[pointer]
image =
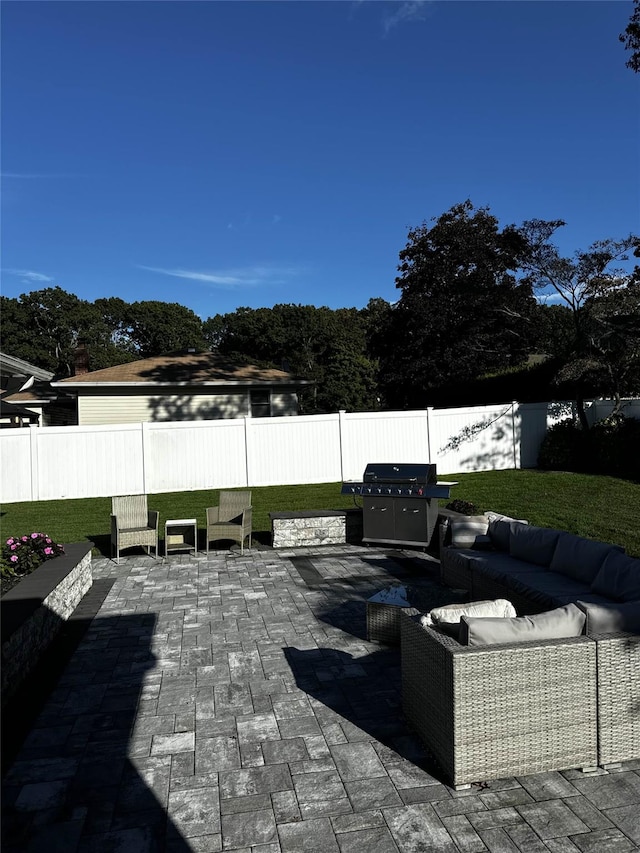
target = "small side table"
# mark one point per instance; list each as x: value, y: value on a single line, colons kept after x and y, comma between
x: 180, y: 534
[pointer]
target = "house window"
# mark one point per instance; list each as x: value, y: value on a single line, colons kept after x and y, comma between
x: 260, y: 404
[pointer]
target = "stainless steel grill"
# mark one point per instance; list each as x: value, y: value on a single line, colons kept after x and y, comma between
x: 399, y: 502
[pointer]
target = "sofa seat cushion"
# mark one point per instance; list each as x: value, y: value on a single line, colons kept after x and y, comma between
x: 587, y: 598
x: 544, y: 587
x: 533, y: 544
x: 459, y: 559
x: 580, y: 558
x: 618, y: 578
x: 556, y: 624
x: 500, y: 567
x: 611, y: 618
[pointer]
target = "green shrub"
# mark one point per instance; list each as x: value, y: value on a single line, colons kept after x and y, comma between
x: 563, y: 448
x: 611, y: 446
x: 465, y: 507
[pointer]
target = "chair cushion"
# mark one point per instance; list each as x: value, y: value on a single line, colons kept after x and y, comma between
x: 533, y: 544
x: 618, y: 578
x: 580, y: 558
x: 555, y: 624
x: 611, y: 618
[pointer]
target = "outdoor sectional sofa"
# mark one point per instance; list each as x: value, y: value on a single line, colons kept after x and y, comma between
x: 516, y: 707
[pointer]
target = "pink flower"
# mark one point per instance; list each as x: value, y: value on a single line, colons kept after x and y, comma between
x: 25, y: 538
x: 14, y: 559
x: 48, y: 550
x: 48, y: 541
x: 13, y: 547
x: 10, y: 541
x: 35, y: 535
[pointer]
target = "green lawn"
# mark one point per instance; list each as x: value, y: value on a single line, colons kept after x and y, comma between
x: 604, y: 508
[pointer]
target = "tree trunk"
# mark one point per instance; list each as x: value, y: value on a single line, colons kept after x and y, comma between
x: 582, y: 415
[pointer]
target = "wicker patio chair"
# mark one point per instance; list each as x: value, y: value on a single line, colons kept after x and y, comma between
x: 232, y: 519
x: 490, y: 712
x: 132, y: 524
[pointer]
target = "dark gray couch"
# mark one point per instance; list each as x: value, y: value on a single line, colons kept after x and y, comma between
x: 536, y: 568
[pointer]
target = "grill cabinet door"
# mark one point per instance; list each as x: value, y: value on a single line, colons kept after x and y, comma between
x: 377, y: 518
x: 410, y: 520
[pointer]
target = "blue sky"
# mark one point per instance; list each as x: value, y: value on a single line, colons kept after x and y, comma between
x: 226, y: 154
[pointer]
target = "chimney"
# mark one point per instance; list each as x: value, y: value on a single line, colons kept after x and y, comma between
x: 80, y: 359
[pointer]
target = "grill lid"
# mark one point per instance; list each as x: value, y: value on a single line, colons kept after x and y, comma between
x: 405, y: 473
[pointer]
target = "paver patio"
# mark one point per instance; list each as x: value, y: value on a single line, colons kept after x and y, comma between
x: 233, y: 703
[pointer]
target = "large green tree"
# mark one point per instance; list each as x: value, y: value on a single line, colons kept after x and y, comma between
x: 461, y: 311
x: 324, y: 345
x: 631, y: 38
x: 45, y: 326
x: 602, y: 343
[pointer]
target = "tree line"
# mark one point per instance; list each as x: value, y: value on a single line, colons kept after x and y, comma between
x: 470, y: 305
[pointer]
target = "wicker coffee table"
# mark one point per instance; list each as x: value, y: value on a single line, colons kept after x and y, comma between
x: 383, y: 608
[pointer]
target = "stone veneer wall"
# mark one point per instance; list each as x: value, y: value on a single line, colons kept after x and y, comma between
x: 33, y: 611
x: 319, y: 527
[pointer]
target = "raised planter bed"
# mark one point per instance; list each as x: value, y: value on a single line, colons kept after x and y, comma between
x: 33, y: 611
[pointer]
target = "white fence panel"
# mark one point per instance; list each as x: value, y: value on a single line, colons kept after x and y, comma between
x: 383, y: 437
x: 193, y: 455
x: 599, y: 409
x: 89, y: 461
x: 474, y: 439
x: 284, y: 451
x: 15, y: 459
x: 95, y: 461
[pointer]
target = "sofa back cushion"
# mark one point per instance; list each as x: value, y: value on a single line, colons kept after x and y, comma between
x: 499, y: 529
x: 470, y: 532
x: 580, y: 558
x: 567, y: 621
x: 618, y: 578
x: 611, y: 618
x: 533, y: 544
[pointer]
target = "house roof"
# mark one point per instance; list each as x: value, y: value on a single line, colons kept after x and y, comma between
x: 10, y: 410
x: 191, y: 368
x: 39, y: 393
x: 10, y: 365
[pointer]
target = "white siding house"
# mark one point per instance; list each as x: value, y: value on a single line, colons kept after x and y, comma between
x: 182, y: 387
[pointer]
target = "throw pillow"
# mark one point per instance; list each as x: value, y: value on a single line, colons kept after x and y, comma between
x: 619, y: 577
x: 611, y: 618
x: 533, y: 544
x: 567, y: 621
x: 448, y: 617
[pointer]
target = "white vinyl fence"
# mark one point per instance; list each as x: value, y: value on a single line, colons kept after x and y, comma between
x: 148, y: 458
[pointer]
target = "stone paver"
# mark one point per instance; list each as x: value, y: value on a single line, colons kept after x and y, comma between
x: 234, y: 704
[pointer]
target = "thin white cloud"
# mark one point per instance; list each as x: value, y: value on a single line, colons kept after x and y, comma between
x: 410, y: 10
x: 232, y: 278
x: 36, y: 175
x: 29, y: 276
